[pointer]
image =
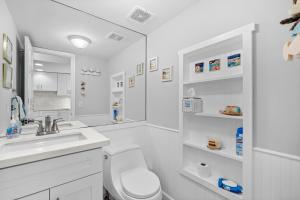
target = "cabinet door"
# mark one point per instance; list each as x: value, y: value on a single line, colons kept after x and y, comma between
x: 89, y: 188
x: 64, y: 85
x: 37, y: 196
x: 43, y: 81
x: 50, y: 82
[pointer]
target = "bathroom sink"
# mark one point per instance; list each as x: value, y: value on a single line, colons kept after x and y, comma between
x: 39, y: 142
x: 30, y: 148
x: 62, y: 125
x: 29, y: 128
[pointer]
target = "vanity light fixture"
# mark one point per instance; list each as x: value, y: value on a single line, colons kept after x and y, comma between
x: 38, y: 64
x: 79, y: 41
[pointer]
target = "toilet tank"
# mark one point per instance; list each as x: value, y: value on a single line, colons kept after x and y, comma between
x: 123, y: 157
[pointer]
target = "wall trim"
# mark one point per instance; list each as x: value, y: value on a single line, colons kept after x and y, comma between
x: 162, y: 127
x: 276, y: 153
x: 166, y: 196
x: 114, y: 127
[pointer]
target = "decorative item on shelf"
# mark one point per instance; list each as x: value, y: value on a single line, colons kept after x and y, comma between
x: 140, y: 69
x: 203, y: 170
x: 82, y: 88
x: 115, y: 104
x: 215, y: 65
x: 91, y: 71
x: 239, y: 141
x: 232, y: 110
x: 199, y: 67
x: 192, y: 104
x: 119, y: 84
x: 84, y: 69
x: 214, y: 143
x: 234, y: 60
x: 292, y: 47
x: 153, y: 64
x: 230, y: 185
x: 7, y: 76
x: 7, y: 49
x: 131, y: 81
x: 167, y: 74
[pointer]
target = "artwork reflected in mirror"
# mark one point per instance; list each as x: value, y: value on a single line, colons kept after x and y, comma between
x: 7, y: 73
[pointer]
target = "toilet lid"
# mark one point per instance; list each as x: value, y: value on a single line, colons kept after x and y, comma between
x: 140, y: 183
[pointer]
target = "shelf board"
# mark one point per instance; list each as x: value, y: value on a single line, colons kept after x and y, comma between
x: 219, y: 78
x: 210, y: 182
x: 117, y: 91
x: 218, y: 115
x: 221, y: 152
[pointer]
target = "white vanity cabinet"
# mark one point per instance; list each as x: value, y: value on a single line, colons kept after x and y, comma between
x: 88, y: 188
x: 44, y: 81
x: 63, y: 84
x: 76, y: 176
x: 44, y: 195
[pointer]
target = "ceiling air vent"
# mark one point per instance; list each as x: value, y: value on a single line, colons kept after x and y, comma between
x: 115, y: 36
x: 139, y: 14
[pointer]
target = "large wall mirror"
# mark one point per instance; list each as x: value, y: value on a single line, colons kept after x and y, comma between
x: 78, y: 66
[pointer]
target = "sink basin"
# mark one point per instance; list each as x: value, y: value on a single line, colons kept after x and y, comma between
x: 41, y: 141
x: 28, y: 129
x: 63, y: 125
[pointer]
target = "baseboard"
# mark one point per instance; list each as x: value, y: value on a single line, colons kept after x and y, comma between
x: 166, y: 196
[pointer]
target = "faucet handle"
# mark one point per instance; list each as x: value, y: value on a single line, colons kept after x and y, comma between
x: 54, y: 127
x: 40, y: 129
x: 58, y: 120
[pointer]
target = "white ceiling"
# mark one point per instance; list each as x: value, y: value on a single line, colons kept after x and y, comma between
x: 48, y: 25
x: 118, y: 10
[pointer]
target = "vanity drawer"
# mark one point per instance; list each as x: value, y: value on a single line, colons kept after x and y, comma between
x: 26, y: 179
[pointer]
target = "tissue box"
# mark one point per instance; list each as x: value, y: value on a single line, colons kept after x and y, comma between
x: 192, y: 104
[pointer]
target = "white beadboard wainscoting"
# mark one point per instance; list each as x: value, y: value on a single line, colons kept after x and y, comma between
x: 275, y: 175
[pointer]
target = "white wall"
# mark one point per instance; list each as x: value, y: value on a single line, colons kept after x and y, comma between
x: 126, y: 60
x: 276, y: 176
x: 96, y: 100
x: 276, y: 91
x: 7, y: 26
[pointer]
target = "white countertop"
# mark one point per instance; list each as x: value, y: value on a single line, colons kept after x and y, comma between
x: 92, y: 139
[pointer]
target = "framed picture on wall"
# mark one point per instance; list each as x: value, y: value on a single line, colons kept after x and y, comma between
x: 7, y: 49
x: 166, y: 74
x: 215, y: 65
x: 153, y: 64
x: 199, y: 67
x: 131, y: 81
x: 7, y: 75
x: 140, y: 69
x: 234, y: 60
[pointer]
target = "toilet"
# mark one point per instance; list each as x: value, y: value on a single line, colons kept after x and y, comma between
x: 126, y: 176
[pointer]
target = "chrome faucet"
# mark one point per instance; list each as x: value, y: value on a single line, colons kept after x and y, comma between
x: 48, y: 128
x: 47, y: 124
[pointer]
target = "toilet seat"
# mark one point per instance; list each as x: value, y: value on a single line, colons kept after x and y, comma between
x: 140, y: 183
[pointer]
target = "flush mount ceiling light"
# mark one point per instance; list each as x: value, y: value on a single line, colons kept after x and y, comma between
x: 38, y: 64
x: 79, y: 41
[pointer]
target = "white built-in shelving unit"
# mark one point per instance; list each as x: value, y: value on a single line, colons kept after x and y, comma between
x: 117, y: 86
x: 218, y: 89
